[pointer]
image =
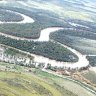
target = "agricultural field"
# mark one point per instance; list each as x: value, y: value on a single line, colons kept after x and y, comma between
x: 18, y: 80
x: 91, y: 76
x: 23, y: 83
x: 15, y: 84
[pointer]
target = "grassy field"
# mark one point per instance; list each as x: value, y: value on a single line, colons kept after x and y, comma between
x: 91, y: 76
x: 15, y: 81
x: 15, y: 84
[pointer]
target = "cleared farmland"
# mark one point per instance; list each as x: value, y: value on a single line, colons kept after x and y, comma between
x: 17, y: 82
x: 13, y: 84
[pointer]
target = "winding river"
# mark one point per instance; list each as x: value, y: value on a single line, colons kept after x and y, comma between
x: 44, y: 37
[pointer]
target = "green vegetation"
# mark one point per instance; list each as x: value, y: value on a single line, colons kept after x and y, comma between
x: 77, y: 39
x: 15, y: 84
x: 7, y: 16
x: 21, y: 83
x: 11, y: 51
x: 18, y: 80
x: 21, y: 30
x: 63, y: 9
x: 76, y: 33
x: 92, y: 60
x: 47, y: 49
x: 91, y: 76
